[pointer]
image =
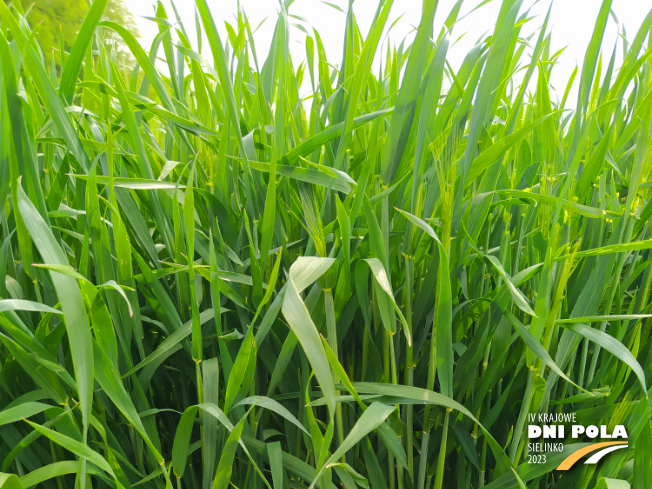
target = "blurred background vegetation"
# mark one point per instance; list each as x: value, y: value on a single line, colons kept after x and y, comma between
x: 56, y: 22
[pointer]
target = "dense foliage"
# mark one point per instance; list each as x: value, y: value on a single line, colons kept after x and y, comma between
x: 211, y: 279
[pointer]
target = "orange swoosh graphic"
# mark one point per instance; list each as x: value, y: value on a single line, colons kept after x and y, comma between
x: 575, y: 456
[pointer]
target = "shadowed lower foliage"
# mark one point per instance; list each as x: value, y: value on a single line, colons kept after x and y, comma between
x: 221, y: 270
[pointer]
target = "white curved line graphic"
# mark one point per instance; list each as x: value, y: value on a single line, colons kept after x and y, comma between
x: 595, y: 458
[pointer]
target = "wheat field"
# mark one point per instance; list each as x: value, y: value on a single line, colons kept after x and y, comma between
x: 221, y: 270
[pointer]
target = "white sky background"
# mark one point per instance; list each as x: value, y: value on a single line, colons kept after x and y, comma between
x: 571, y: 23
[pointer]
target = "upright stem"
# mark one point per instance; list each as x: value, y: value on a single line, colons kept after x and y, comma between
x: 422, y: 459
x: 439, y: 476
x: 609, y: 303
x: 365, y: 352
x: 331, y: 331
x: 447, y: 219
x: 525, y: 408
x: 392, y: 475
x: 408, y: 376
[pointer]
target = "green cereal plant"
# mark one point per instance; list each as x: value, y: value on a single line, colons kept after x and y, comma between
x: 221, y: 270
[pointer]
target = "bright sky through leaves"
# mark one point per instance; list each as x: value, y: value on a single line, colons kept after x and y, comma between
x: 571, y: 23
